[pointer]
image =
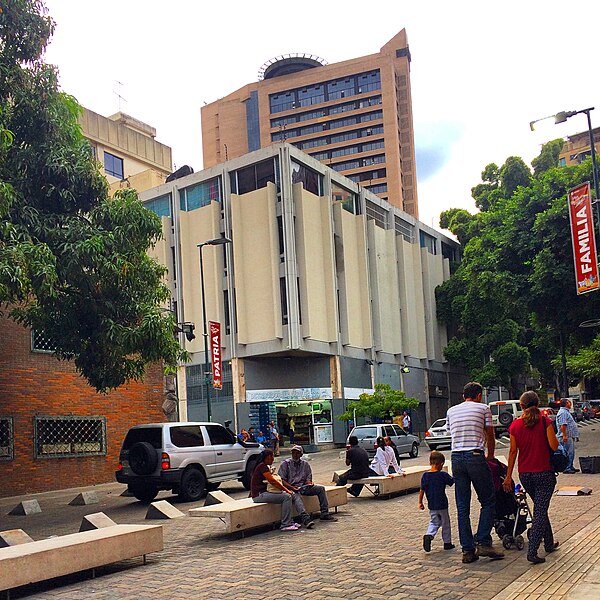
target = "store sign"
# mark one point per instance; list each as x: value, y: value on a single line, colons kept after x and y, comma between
x: 286, y: 395
x: 215, y: 353
x: 582, y: 236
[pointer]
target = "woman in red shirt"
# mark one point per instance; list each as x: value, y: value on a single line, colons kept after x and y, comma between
x: 531, y: 438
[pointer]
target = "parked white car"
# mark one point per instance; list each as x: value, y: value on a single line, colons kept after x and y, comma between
x: 438, y: 435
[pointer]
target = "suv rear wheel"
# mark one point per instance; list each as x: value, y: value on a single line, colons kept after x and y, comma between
x: 144, y: 493
x: 193, y: 485
x: 505, y: 418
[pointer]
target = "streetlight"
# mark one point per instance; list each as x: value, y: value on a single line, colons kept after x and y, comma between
x: 561, y: 117
x: 215, y: 242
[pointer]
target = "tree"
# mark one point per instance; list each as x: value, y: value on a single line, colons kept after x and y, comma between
x: 512, y: 301
x: 73, y: 262
x: 384, y: 402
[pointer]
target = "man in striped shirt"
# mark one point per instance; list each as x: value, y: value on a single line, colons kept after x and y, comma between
x: 470, y: 425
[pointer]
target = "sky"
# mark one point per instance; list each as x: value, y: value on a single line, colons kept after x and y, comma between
x: 480, y: 70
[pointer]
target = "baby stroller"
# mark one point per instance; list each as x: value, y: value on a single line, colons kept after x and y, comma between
x: 512, y: 511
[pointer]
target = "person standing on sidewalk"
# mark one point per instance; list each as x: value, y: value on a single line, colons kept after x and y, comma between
x: 406, y: 422
x: 470, y: 425
x: 530, y: 436
x: 568, y: 432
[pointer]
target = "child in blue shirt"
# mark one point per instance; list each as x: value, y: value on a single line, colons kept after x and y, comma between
x: 433, y: 485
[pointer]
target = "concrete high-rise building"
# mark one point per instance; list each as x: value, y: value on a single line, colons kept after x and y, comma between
x: 324, y: 291
x: 355, y: 116
x: 577, y: 147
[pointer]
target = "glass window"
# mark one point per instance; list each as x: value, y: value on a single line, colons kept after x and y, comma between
x: 378, y: 189
x: 219, y: 435
x: 6, y: 438
x: 372, y: 116
x: 113, y: 165
x: 320, y: 155
x: 344, y: 137
x: 187, y: 436
x: 313, y: 114
x: 364, y: 432
x: 340, y: 88
x: 313, y: 94
x: 344, y: 151
x: 369, y: 81
x: 152, y: 435
x: 348, y: 199
x: 343, y: 122
x: 160, y: 206
x: 283, y: 121
x: 310, y: 180
x: 399, y: 430
x: 428, y: 241
x: 60, y: 437
x: 201, y: 194
x: 340, y: 108
x: 372, y: 145
x: 256, y: 176
x: 283, y: 295
x: 282, y: 101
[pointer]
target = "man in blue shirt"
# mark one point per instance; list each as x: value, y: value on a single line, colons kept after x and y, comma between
x: 567, y: 433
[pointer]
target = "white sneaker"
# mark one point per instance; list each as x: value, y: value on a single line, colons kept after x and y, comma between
x: 293, y: 527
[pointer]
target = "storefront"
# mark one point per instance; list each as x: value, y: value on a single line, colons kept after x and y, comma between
x: 305, y: 411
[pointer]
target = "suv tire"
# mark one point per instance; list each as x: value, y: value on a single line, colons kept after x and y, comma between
x: 193, y: 485
x: 246, y: 479
x: 211, y: 487
x: 414, y: 451
x: 505, y: 418
x: 143, y: 458
x: 144, y: 493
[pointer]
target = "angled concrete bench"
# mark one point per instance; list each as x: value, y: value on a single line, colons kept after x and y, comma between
x: 384, y: 487
x: 240, y: 515
x: 37, y: 561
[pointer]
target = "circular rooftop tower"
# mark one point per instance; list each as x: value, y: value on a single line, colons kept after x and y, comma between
x: 289, y: 63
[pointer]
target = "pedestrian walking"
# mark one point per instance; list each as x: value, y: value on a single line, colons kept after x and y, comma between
x: 471, y: 429
x: 568, y: 433
x: 406, y: 422
x: 274, y: 437
x: 433, y: 486
x: 531, y: 437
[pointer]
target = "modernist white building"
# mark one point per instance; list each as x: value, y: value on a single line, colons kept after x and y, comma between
x: 325, y: 290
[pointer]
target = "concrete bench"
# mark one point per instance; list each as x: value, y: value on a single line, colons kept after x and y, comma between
x: 37, y: 561
x: 383, y: 486
x: 240, y: 515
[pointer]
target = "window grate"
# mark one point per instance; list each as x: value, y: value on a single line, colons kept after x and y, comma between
x: 7, y: 440
x: 377, y: 214
x: 62, y: 437
x: 40, y: 342
x: 406, y: 230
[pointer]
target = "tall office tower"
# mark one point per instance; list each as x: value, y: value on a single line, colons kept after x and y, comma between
x: 355, y: 116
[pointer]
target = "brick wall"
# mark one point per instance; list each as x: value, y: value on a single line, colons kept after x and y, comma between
x: 33, y: 383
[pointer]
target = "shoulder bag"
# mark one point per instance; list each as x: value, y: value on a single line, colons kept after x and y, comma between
x: 558, y: 458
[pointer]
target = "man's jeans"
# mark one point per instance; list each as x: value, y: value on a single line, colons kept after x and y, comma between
x: 317, y: 490
x: 471, y: 468
x: 569, y: 448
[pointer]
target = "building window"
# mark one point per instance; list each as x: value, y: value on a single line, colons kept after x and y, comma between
x: 282, y: 101
x: 226, y: 312
x: 283, y: 294
x: 341, y: 88
x: 201, y: 194
x: 428, y: 242
x: 349, y: 200
x: 62, y: 437
x: 377, y: 214
x: 160, y: 206
x: 406, y: 230
x: 311, y: 180
x: 40, y: 342
x: 378, y: 189
x: 314, y: 94
x: 562, y: 161
x: 113, y: 165
x: 255, y: 177
x: 369, y: 81
x: 7, y: 439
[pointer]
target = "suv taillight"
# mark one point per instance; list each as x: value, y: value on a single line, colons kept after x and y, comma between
x: 348, y: 446
x: 165, y: 462
x: 120, y: 467
x: 427, y: 433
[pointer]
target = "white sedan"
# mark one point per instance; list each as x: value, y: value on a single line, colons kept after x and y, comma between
x: 438, y: 435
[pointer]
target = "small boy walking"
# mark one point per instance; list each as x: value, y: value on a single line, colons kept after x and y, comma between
x: 433, y: 485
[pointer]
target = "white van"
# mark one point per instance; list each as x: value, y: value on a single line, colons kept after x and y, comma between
x: 505, y: 412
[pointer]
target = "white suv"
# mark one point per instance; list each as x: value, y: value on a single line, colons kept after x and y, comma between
x: 505, y: 412
x: 187, y: 458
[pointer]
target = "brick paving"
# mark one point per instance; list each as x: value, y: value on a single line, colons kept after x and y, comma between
x: 374, y: 548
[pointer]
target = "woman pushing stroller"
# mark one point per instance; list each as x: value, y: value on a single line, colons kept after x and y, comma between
x: 531, y: 437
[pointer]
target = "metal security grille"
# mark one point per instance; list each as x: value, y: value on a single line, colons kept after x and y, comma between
x: 6, y: 438
x: 60, y: 437
x: 406, y: 230
x: 41, y: 342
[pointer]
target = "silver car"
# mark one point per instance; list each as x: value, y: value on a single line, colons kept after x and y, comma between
x: 367, y: 437
x: 438, y: 435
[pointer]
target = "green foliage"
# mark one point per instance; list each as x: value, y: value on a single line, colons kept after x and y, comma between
x: 384, y: 402
x: 513, y: 294
x: 548, y: 157
x: 586, y: 362
x: 73, y: 262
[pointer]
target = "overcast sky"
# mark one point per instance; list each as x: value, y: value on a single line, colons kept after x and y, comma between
x: 480, y: 71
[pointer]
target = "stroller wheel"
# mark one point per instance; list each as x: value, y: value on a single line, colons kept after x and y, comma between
x: 519, y: 542
x: 507, y: 541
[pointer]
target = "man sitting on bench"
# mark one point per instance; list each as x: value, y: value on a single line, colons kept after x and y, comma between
x: 358, y: 461
x: 297, y: 475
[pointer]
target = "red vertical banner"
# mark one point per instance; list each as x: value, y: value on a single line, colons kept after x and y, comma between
x: 584, y: 241
x: 215, y: 353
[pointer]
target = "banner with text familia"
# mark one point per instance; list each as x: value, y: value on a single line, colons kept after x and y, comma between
x: 215, y: 353
x: 584, y: 241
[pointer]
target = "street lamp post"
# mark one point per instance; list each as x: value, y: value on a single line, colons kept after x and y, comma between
x: 215, y: 242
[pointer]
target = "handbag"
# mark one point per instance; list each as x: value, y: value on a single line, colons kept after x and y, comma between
x: 558, y: 458
x: 271, y: 487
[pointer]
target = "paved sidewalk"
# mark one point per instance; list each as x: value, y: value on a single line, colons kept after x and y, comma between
x: 374, y: 549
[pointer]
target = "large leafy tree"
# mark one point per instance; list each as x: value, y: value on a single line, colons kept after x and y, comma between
x: 512, y: 301
x: 73, y: 261
x: 384, y: 402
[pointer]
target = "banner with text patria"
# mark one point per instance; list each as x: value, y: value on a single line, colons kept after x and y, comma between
x: 215, y: 353
x: 584, y: 242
